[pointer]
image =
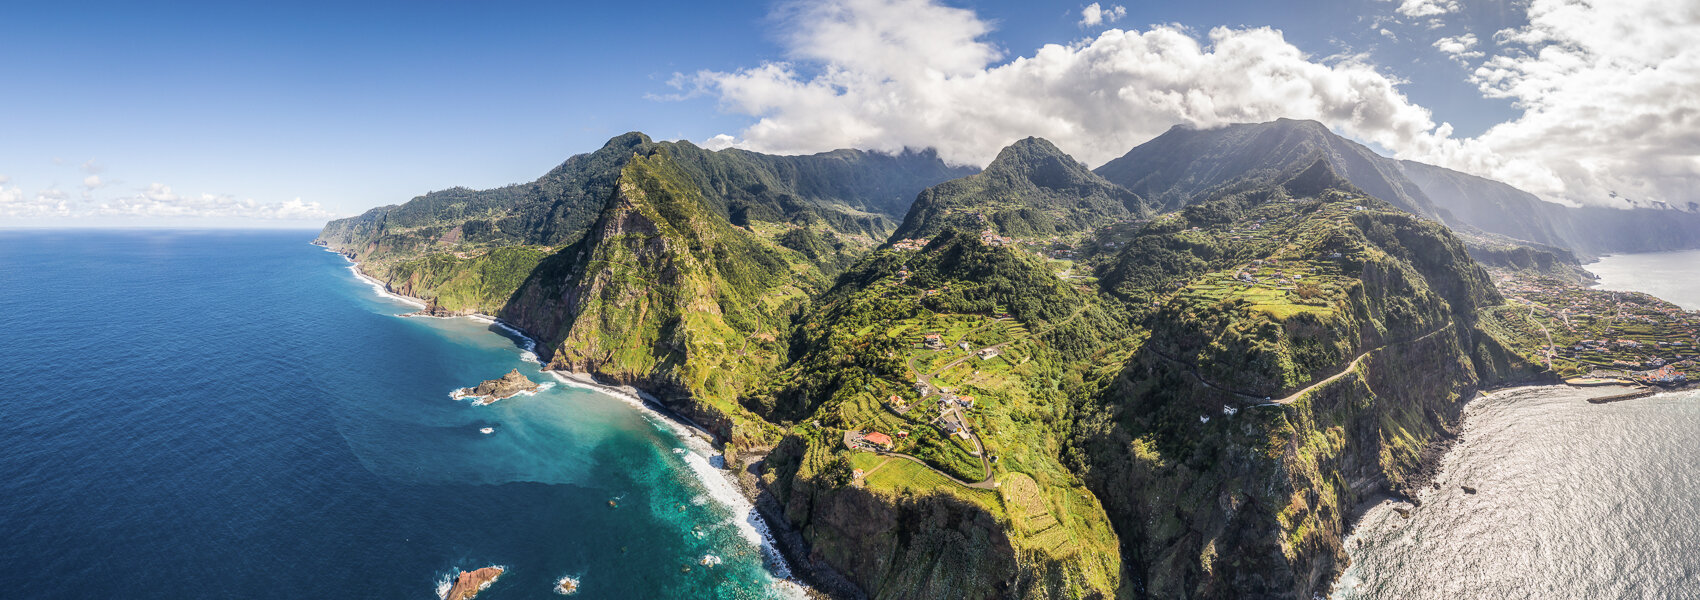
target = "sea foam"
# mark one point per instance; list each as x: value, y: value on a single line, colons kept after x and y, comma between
x: 718, y: 483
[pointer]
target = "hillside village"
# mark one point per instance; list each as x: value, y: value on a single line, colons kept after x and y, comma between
x: 1598, y: 336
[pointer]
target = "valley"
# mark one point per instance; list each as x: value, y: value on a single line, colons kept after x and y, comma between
x: 1032, y: 381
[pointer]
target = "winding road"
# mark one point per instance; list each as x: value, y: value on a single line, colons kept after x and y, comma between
x: 1289, y: 399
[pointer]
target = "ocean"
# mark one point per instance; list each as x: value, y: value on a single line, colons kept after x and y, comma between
x: 1574, y: 500
x: 236, y: 415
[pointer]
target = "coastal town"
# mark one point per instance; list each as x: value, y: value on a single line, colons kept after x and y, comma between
x: 1602, y: 337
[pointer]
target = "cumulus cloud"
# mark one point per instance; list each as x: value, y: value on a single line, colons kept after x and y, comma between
x: 1611, y: 99
x: 45, y: 203
x: 1427, y: 8
x: 1611, y: 92
x: 1094, y: 15
x: 155, y: 201
x: 1460, y: 48
x: 92, y: 182
x: 887, y: 88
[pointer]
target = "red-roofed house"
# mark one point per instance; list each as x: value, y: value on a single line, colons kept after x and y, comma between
x: 878, y: 438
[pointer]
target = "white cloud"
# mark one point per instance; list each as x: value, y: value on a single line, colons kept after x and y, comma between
x: 157, y: 200
x: 1094, y: 15
x: 1095, y: 98
x: 46, y: 203
x: 1427, y: 8
x: 1460, y: 48
x: 92, y: 182
x: 1611, y: 92
x: 720, y: 142
x: 5, y: 179
x: 1611, y: 99
x: 91, y: 168
x: 1389, y: 34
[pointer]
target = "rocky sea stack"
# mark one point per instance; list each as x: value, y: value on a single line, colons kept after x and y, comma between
x: 469, y: 583
x: 502, y: 388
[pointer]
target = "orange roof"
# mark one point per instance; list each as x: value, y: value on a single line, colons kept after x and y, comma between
x: 878, y: 438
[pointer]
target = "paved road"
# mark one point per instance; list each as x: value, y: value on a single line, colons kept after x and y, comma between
x: 1265, y: 401
x: 986, y: 484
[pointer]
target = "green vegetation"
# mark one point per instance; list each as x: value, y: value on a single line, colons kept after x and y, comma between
x: 478, y: 282
x: 1357, y: 322
x: 1183, y: 406
x: 1597, y: 333
x: 1032, y: 189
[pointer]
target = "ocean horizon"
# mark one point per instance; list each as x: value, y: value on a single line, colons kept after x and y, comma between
x: 255, y: 421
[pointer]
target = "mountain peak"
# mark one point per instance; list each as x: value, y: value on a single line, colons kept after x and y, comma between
x: 1315, y: 179
x: 1029, y: 152
x: 630, y: 139
x: 1031, y: 189
x: 1183, y: 165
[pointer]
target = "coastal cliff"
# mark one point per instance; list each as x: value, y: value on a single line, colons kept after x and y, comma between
x: 1193, y: 409
x: 1232, y: 450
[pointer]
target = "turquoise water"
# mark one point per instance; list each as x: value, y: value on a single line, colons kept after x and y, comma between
x: 236, y: 415
x: 1574, y: 500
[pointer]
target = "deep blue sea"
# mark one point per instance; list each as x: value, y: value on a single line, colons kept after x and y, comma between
x: 236, y: 415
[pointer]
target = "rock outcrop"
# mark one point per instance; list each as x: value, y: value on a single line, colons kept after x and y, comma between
x: 502, y: 388
x: 469, y: 583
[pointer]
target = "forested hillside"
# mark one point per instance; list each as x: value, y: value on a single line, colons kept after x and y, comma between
x: 1032, y: 189
x: 1187, y: 407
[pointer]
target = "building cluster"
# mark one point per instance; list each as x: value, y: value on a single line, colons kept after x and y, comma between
x: 991, y: 238
x: 1633, y: 335
x: 910, y: 244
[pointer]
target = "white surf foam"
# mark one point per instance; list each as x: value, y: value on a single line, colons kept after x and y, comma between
x: 562, y: 582
x: 379, y: 287
x: 444, y: 585
x: 717, y: 482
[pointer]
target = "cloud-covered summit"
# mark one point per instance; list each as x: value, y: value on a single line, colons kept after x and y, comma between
x: 1603, y: 112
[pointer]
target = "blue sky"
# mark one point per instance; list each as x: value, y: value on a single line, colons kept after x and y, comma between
x: 245, y: 114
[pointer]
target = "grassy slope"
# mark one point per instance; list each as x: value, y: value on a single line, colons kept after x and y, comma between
x: 858, y: 344
x: 1032, y: 189
x: 1210, y: 504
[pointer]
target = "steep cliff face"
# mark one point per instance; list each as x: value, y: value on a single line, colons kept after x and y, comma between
x: 1239, y: 376
x: 991, y: 511
x: 1496, y: 207
x: 931, y: 545
x: 666, y: 295
x: 1186, y: 164
x: 1231, y: 450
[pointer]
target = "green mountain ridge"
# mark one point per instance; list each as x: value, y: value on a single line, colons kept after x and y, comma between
x: 1031, y: 189
x: 1188, y: 164
x: 1054, y: 428
x: 1185, y: 163
x: 1499, y: 208
x: 1287, y: 378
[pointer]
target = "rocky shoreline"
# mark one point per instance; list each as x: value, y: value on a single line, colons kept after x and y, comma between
x: 468, y: 584
x: 501, y: 388
x: 822, y: 582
